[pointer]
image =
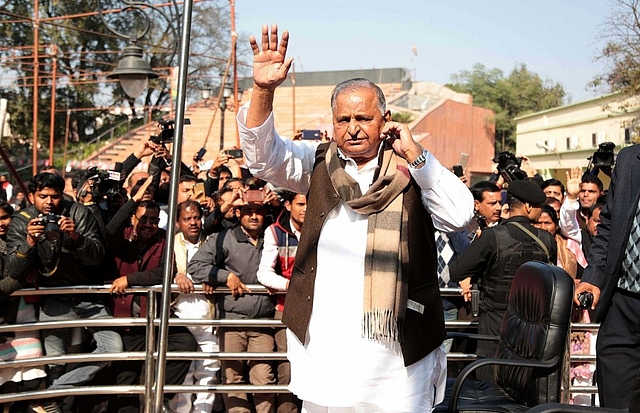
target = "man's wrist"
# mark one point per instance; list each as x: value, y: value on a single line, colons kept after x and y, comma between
x: 417, y: 160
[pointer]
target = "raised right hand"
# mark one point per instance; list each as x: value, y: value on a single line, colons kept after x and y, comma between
x: 270, y: 65
x: 574, y: 178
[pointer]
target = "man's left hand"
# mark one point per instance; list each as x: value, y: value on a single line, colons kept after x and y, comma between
x: 68, y: 227
x: 119, y: 285
x: 399, y: 136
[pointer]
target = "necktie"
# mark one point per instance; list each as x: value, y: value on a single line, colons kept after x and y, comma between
x: 445, y: 254
x: 630, y: 265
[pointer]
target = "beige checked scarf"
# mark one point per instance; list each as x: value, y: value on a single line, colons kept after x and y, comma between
x: 385, y: 289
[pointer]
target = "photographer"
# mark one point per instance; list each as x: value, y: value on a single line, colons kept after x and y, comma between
x: 54, y: 242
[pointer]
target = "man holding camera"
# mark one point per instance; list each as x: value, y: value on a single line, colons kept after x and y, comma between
x: 53, y: 243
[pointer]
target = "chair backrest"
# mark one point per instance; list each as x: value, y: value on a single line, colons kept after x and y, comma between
x: 535, y: 327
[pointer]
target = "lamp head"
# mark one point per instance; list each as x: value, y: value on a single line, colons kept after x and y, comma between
x: 133, y: 71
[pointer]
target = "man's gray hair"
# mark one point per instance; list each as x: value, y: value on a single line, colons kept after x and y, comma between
x: 356, y: 84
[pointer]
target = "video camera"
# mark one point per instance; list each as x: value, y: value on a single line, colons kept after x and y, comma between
x: 602, y: 159
x: 167, y: 129
x: 105, y: 184
x: 509, y: 167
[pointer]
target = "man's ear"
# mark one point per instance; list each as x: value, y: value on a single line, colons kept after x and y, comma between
x: 31, y: 198
x: 287, y: 205
x: 387, y: 116
x: 476, y: 204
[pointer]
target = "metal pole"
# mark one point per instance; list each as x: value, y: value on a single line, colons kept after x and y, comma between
x: 293, y: 98
x: 66, y: 144
x: 163, y: 340
x: 52, y: 120
x: 151, y: 345
x: 36, y: 80
x: 222, y: 110
x: 234, y: 41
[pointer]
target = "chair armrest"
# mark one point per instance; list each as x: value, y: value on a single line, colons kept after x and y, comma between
x: 464, y: 374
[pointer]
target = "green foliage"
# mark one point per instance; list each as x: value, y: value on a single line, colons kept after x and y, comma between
x: 402, y: 117
x: 85, y: 51
x: 621, y: 31
x: 519, y: 93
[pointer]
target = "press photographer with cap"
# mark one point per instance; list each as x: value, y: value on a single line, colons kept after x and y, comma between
x: 492, y: 260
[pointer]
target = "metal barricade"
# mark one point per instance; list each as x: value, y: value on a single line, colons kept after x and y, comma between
x: 152, y: 322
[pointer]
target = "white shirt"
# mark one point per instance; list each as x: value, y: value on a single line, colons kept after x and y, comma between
x: 336, y: 366
x: 266, y: 271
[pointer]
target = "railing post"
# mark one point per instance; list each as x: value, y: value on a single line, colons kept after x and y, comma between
x: 150, y: 364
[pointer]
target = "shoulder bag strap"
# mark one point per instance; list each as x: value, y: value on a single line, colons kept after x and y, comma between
x: 535, y: 238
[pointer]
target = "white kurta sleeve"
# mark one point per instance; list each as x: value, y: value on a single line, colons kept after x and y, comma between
x: 274, y: 159
x: 444, y: 195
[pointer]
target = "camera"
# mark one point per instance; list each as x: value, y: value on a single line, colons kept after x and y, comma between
x: 585, y: 299
x: 198, y: 157
x: 603, y: 157
x: 167, y: 129
x: 235, y: 153
x: 253, y: 195
x: 105, y: 184
x: 311, y: 134
x: 509, y: 167
x: 51, y: 226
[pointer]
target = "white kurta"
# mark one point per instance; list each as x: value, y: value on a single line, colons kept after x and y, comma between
x: 336, y: 366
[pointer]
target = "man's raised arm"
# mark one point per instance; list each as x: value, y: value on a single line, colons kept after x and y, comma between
x: 270, y: 68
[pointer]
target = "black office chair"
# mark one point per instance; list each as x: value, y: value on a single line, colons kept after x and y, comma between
x: 531, y: 347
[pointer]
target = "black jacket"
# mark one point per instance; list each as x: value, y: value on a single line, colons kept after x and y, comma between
x: 59, y: 263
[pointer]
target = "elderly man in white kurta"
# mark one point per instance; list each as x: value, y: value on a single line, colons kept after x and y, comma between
x: 363, y: 311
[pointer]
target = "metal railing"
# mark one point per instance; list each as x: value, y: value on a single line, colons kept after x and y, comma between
x: 151, y: 355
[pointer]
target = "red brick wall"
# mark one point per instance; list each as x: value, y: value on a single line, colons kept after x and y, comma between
x: 454, y: 128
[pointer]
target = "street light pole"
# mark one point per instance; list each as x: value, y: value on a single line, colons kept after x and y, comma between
x: 223, y: 108
x: 36, y: 80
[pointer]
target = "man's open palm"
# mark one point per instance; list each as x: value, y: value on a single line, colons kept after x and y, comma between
x: 270, y: 65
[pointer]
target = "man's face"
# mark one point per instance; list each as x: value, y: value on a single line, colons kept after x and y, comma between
x: 5, y: 219
x: 589, y: 194
x: 298, y: 209
x: 235, y: 185
x: 490, y: 206
x: 226, y: 197
x: 47, y: 200
x: 3, y: 179
x: 592, y: 223
x: 222, y: 178
x: 190, y: 223
x: 556, y: 206
x: 251, y: 217
x: 545, y: 222
x: 185, y: 190
x: 357, y: 123
x: 554, y: 191
x: 146, y: 223
x: 135, y: 178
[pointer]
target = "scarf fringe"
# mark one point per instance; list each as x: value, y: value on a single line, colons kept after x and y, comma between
x: 381, y: 325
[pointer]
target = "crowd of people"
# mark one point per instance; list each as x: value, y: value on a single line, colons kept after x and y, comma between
x: 387, y: 225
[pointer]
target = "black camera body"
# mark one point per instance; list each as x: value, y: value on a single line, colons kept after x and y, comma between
x: 105, y: 183
x: 604, y: 156
x: 509, y: 167
x: 51, y: 226
x: 585, y: 299
x: 167, y: 129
